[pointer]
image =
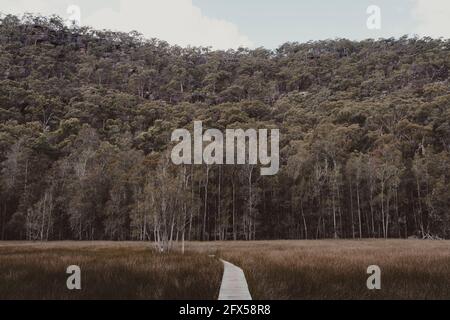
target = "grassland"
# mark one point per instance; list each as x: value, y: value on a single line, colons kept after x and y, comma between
x: 328, y: 269
x: 337, y: 269
x: 109, y: 271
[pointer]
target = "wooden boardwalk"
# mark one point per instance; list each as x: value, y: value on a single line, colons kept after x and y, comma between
x: 234, y: 286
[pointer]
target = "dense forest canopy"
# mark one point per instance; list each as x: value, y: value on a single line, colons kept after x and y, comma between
x: 86, y: 118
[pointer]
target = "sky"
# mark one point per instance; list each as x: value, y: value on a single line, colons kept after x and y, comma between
x: 224, y: 24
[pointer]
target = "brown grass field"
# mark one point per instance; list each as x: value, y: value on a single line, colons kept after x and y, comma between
x: 337, y: 269
x: 108, y: 271
x: 322, y: 269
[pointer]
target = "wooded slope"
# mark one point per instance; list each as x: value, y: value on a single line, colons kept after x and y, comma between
x: 86, y: 117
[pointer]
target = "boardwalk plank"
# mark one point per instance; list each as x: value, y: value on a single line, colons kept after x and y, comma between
x: 234, y: 285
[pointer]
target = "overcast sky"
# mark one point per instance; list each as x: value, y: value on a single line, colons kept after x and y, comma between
x: 225, y: 24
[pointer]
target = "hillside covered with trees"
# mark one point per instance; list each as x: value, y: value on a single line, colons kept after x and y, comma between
x: 86, y: 118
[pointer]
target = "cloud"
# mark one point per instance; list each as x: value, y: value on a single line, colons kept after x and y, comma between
x: 20, y: 7
x: 433, y: 18
x: 175, y: 21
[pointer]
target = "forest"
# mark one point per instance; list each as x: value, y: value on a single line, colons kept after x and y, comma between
x: 86, y: 118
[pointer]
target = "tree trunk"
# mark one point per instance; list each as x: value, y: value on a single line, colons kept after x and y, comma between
x: 205, y: 204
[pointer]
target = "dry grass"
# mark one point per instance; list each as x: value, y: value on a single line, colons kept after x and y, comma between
x: 109, y: 271
x: 337, y: 269
x: 274, y: 269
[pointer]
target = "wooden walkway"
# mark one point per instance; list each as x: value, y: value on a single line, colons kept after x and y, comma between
x: 234, y: 286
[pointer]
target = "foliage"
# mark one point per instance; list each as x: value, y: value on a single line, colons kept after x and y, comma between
x: 86, y: 118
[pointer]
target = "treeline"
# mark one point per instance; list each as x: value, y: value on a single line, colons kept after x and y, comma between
x: 86, y: 118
